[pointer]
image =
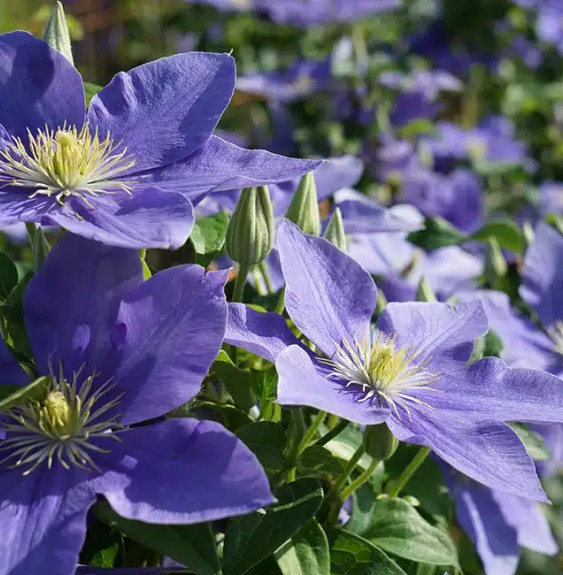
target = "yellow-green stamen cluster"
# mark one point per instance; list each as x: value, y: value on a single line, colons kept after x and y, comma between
x: 66, y: 163
x: 381, y: 369
x: 61, y: 427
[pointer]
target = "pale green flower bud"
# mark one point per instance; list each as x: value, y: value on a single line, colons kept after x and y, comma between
x: 250, y: 235
x: 379, y: 442
x: 56, y: 32
x: 304, y: 207
x: 334, y: 232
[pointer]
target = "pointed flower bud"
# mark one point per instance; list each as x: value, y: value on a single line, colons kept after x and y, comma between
x: 304, y: 207
x: 250, y: 235
x: 379, y: 442
x: 334, y: 232
x: 56, y: 32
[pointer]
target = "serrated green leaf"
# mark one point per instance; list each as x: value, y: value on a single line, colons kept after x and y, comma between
x: 8, y: 276
x: 252, y: 538
x: 191, y: 545
x: 306, y: 553
x: 317, y: 459
x: 351, y: 554
x: 208, y: 237
x: 398, y: 528
x: 505, y: 232
x: 267, y: 440
x: 237, y: 381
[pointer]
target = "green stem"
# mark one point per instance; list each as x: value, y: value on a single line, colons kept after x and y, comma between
x: 263, y: 267
x: 333, y: 432
x: 339, y: 483
x: 240, y: 281
x: 359, y: 481
x: 298, y: 433
x: 347, y: 491
x: 31, y: 228
x: 409, y: 471
x: 281, y: 302
x: 317, y: 421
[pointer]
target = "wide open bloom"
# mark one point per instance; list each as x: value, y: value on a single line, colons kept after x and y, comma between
x: 126, y: 171
x: 410, y: 371
x: 524, y: 342
x: 498, y: 523
x: 117, y: 352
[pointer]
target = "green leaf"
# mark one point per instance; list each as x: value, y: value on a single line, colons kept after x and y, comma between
x: 36, y: 390
x: 398, y: 528
x: 267, y: 440
x: 191, y: 545
x: 237, y: 381
x: 505, y: 232
x: 364, y: 500
x: 533, y: 442
x: 252, y: 538
x: 8, y: 276
x: 12, y: 314
x: 317, y: 459
x: 351, y: 554
x: 437, y: 233
x: 306, y: 553
x: 106, y: 557
x: 90, y: 90
x: 208, y: 236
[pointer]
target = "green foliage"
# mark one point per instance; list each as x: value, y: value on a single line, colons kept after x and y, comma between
x: 208, y: 237
x: 354, y: 555
x: 254, y: 537
x: 267, y: 440
x: 306, y: 553
x: 191, y: 545
x: 399, y: 529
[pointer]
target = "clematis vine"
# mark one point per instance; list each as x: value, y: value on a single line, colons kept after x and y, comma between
x: 114, y: 351
x: 409, y: 371
x: 127, y: 170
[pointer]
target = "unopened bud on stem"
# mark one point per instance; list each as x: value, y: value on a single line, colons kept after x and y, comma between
x: 56, y: 32
x: 250, y: 235
x: 304, y: 208
x: 379, y: 442
x: 334, y: 232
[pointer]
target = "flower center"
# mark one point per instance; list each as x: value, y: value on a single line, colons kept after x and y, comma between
x: 67, y: 426
x: 382, y: 370
x: 65, y: 163
x: 555, y: 332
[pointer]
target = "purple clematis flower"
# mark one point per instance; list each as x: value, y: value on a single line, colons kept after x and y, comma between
x: 117, y: 351
x: 410, y: 371
x: 498, y: 523
x: 126, y: 171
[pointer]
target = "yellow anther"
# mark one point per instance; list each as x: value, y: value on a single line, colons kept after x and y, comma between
x: 56, y: 412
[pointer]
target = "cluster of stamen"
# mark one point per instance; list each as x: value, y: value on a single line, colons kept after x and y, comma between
x: 382, y: 370
x: 66, y: 163
x: 555, y: 332
x: 64, y: 427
